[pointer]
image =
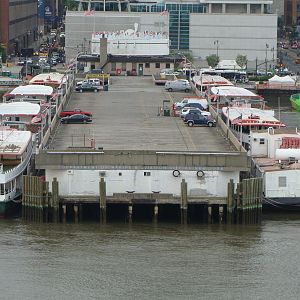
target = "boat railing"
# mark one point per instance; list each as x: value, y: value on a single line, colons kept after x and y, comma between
x: 6, y: 176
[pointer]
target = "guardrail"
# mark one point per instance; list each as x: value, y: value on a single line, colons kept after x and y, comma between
x: 229, y: 134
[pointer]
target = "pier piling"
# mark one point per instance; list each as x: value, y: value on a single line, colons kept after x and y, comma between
x: 102, y: 201
x: 55, y: 200
x: 184, y: 202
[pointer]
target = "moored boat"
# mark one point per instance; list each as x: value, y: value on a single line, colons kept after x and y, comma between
x: 16, y: 148
x: 295, y: 101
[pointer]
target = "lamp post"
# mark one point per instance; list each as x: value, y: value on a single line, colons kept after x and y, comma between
x: 267, y: 46
x: 216, y: 42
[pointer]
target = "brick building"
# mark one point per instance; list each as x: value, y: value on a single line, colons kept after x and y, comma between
x: 18, y: 24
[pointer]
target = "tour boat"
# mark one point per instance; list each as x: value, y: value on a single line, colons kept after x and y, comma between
x: 16, y: 148
x: 295, y: 101
x: 244, y: 119
x: 276, y: 156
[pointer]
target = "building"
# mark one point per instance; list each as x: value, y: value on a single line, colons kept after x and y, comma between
x: 223, y: 27
x: 291, y: 12
x: 278, y: 7
x: 18, y: 24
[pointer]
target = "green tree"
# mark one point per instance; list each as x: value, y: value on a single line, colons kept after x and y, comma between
x: 212, y: 60
x: 71, y: 4
x: 241, y: 61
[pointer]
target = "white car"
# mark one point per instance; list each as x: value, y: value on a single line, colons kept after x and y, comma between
x: 189, y: 110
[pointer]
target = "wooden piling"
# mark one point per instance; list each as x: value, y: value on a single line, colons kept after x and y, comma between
x: 184, y: 202
x: 230, y: 202
x: 102, y: 201
x: 46, y: 200
x: 209, y: 214
x: 55, y: 200
x: 221, y: 213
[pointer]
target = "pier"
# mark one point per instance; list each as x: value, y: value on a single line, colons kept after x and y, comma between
x: 133, y: 164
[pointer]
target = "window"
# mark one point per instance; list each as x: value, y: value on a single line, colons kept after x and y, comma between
x: 157, y: 65
x: 168, y: 66
x: 147, y: 65
x: 113, y: 66
x: 147, y: 173
x: 261, y: 141
x: 124, y: 66
x: 282, y: 181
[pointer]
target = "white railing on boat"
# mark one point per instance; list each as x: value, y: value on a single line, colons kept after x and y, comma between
x: 9, y: 175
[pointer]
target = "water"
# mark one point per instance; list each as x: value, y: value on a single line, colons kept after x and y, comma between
x: 143, y: 261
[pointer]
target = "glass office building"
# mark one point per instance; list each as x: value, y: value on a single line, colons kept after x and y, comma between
x: 179, y: 16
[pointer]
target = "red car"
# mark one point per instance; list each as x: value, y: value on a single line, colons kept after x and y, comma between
x: 75, y: 112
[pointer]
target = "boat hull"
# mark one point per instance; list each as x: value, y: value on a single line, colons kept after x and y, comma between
x: 289, y: 203
x: 295, y: 101
x: 9, y: 209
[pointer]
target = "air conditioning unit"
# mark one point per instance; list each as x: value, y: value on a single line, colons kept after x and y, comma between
x: 102, y: 173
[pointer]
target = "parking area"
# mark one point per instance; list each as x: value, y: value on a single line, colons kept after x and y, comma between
x: 127, y: 118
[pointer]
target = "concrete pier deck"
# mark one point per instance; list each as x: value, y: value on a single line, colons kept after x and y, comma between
x: 126, y: 118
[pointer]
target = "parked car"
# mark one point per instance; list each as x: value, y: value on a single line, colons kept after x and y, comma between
x: 178, y: 85
x: 95, y: 81
x: 78, y: 118
x: 186, y: 101
x: 88, y: 87
x: 193, y: 110
x: 197, y: 119
x: 294, y: 46
x: 75, y: 111
x: 194, y: 105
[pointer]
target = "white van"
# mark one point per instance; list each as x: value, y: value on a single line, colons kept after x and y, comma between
x: 185, y: 101
x: 95, y: 81
x: 178, y: 85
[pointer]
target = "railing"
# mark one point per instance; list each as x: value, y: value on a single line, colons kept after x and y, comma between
x: 13, y: 173
x: 277, y: 86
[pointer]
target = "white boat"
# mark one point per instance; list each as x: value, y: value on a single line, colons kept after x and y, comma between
x: 242, y: 120
x: 16, y: 148
x: 276, y: 156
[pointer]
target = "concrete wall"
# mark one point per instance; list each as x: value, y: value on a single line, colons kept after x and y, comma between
x: 80, y: 27
x: 236, y: 34
x: 86, y: 182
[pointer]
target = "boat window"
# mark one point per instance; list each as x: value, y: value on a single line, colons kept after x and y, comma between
x: 282, y: 181
x: 261, y: 141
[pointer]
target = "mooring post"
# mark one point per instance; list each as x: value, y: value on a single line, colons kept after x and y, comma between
x: 24, y: 196
x: 55, y: 200
x: 102, y: 201
x: 230, y: 201
x: 184, y: 202
x: 46, y: 200
x: 76, y: 213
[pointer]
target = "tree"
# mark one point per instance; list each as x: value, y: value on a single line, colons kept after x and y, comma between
x: 241, y: 61
x: 71, y: 4
x: 212, y: 60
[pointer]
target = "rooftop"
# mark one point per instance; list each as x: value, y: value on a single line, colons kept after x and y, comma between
x: 31, y: 89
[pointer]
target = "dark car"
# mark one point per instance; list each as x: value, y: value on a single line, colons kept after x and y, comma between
x: 87, y: 87
x: 197, y: 119
x: 194, y: 104
x: 78, y: 118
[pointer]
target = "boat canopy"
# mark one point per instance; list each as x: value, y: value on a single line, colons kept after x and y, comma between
x: 19, y: 109
x: 32, y: 89
x: 233, y: 92
x: 48, y: 79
